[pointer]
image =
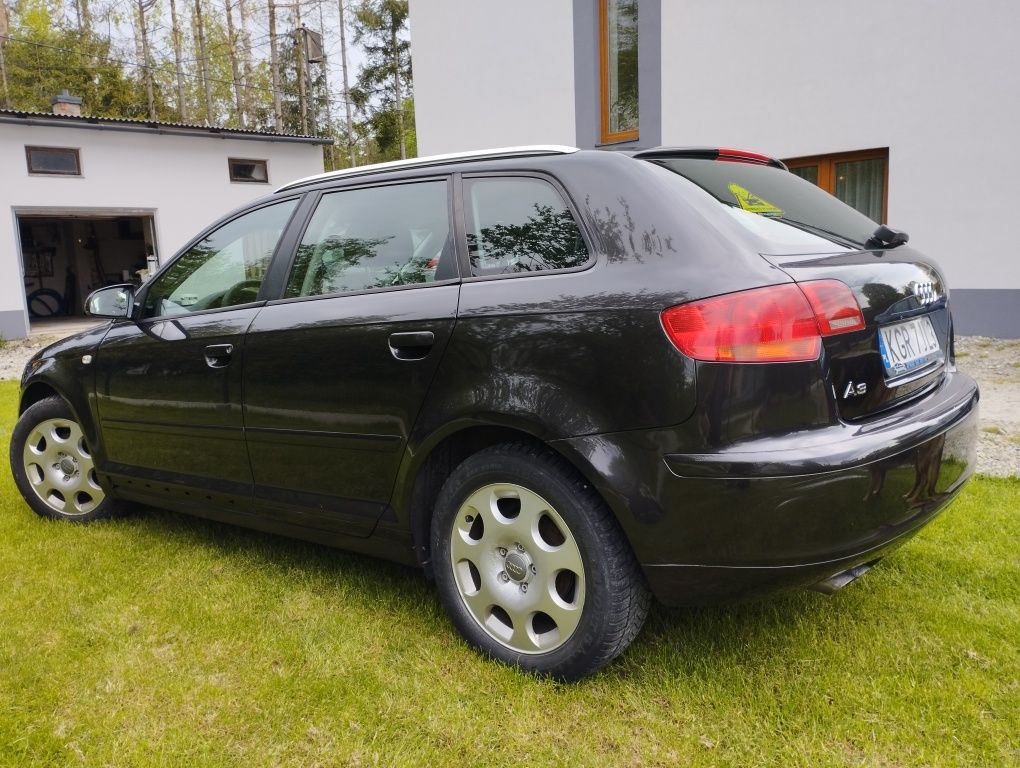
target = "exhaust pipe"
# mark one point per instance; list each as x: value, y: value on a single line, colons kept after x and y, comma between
x: 836, y: 582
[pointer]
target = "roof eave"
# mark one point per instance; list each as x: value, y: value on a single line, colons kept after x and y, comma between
x: 91, y: 122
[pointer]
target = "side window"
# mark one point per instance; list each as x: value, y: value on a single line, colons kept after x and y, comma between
x: 225, y: 268
x: 375, y: 237
x: 520, y: 225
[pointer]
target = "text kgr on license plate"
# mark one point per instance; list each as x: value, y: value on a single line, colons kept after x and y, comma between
x: 908, y: 345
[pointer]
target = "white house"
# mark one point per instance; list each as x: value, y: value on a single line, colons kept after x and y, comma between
x: 908, y: 110
x: 89, y: 201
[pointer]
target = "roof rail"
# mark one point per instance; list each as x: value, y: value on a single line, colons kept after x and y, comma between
x: 424, y: 162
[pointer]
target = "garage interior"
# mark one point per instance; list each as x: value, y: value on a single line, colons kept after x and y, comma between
x: 66, y: 257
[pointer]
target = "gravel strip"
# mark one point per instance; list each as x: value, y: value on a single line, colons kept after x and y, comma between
x: 994, y: 363
x: 15, y: 354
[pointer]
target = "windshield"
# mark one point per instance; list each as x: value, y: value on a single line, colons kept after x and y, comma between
x: 776, y: 195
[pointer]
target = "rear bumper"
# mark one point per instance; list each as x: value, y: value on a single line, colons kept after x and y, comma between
x: 680, y: 584
x: 784, y: 511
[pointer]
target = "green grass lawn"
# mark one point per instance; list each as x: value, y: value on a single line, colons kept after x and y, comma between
x: 164, y: 640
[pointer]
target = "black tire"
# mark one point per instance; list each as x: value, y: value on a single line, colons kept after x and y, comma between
x: 55, y: 474
x: 45, y: 302
x: 611, y: 597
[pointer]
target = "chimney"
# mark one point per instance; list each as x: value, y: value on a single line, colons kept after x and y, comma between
x: 66, y: 104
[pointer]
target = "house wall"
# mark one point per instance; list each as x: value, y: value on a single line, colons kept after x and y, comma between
x: 181, y: 180
x: 489, y: 73
x: 936, y: 83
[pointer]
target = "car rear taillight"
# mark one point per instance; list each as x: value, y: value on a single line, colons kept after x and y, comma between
x: 836, y: 309
x: 779, y: 323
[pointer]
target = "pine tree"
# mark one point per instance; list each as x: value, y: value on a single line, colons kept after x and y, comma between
x: 383, y: 90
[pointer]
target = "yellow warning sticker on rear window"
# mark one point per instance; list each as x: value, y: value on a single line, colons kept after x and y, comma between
x: 751, y: 202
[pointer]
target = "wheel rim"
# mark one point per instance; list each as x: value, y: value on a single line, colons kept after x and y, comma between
x: 60, y: 469
x: 517, y: 568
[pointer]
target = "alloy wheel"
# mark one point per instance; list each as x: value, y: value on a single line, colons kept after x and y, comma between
x: 517, y: 568
x: 59, y: 467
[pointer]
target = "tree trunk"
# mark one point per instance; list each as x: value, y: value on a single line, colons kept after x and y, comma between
x: 84, y: 15
x: 302, y: 62
x: 145, y: 61
x: 246, y: 65
x: 396, y: 88
x: 4, y: 23
x: 328, y: 127
x: 274, y: 64
x: 347, y: 87
x: 175, y: 34
x: 3, y: 77
x: 204, y: 62
x: 235, y: 71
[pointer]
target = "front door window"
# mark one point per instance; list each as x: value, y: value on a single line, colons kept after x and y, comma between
x: 225, y: 268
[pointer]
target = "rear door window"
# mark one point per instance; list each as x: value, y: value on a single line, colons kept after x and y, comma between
x: 375, y: 237
x: 519, y: 225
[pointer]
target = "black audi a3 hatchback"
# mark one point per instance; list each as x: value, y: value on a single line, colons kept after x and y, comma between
x: 560, y: 381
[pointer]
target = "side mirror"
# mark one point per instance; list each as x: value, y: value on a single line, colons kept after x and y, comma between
x: 114, y: 301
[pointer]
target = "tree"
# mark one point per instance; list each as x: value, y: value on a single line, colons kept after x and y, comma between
x: 235, y: 65
x: 3, y: 61
x: 175, y: 35
x: 274, y: 65
x: 208, y: 60
x: 38, y: 67
x: 203, y: 61
x: 349, y: 124
x: 383, y: 90
x: 143, y: 6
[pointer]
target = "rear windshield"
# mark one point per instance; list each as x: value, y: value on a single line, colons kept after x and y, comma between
x: 777, y: 195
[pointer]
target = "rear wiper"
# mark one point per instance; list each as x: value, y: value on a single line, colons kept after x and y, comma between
x: 886, y: 237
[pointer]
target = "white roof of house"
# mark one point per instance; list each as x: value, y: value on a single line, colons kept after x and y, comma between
x: 48, y: 119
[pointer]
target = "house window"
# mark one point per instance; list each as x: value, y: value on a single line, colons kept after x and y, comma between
x: 53, y: 161
x: 859, y: 179
x: 618, y: 62
x: 250, y: 171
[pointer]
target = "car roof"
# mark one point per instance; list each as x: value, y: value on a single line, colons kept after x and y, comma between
x: 526, y: 151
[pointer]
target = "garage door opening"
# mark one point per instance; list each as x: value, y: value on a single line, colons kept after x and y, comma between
x: 64, y: 258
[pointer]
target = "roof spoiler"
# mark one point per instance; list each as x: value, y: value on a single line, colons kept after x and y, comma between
x: 710, y: 153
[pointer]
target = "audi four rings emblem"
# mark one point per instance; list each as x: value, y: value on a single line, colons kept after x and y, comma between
x: 925, y: 292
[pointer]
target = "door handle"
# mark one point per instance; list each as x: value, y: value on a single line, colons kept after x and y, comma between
x: 411, y: 345
x: 218, y: 355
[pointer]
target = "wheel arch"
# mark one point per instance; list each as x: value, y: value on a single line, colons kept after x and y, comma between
x: 430, y: 464
x: 41, y: 388
x: 36, y: 392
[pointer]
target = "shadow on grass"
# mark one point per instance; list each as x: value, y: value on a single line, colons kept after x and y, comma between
x: 685, y: 641
x: 276, y: 554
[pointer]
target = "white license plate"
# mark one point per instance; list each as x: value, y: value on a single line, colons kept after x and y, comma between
x: 908, y: 346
